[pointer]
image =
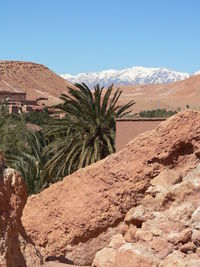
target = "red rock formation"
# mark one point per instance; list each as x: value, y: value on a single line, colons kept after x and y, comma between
x: 168, y: 233
x: 16, y: 248
x: 75, y: 218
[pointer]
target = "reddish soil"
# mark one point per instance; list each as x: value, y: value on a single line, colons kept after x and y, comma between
x: 169, y: 96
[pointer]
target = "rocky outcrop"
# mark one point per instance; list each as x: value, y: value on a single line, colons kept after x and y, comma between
x: 16, y: 248
x: 75, y: 218
x: 164, y: 230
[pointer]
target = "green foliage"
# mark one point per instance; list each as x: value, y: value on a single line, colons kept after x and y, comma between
x: 156, y: 113
x: 87, y: 132
x: 12, y: 134
x: 37, y: 117
x: 31, y: 163
x: 85, y: 135
x: 23, y: 150
x: 4, y: 110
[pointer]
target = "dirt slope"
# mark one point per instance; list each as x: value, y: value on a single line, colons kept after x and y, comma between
x: 35, y: 79
x: 169, y: 96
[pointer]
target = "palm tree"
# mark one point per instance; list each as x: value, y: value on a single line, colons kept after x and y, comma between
x: 31, y: 164
x: 87, y: 132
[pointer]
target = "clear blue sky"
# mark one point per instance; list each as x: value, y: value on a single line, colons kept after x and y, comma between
x: 71, y: 36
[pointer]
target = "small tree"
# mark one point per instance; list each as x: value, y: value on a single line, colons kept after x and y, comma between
x: 157, y: 113
x: 31, y: 163
x: 4, y: 109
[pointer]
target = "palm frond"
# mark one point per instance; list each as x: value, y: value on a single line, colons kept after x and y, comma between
x: 87, y: 132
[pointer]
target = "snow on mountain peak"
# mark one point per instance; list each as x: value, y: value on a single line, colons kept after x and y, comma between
x: 130, y: 76
x: 197, y: 73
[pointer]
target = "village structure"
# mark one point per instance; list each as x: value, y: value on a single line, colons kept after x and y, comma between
x: 18, y: 102
x: 128, y: 128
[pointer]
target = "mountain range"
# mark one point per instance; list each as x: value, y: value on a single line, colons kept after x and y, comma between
x: 129, y: 76
x: 39, y: 81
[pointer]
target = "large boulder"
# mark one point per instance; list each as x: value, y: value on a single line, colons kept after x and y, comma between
x: 75, y: 218
x: 16, y: 248
x: 169, y: 232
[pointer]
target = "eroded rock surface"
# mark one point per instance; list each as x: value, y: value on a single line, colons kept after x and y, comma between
x: 75, y: 218
x: 169, y: 232
x: 16, y: 248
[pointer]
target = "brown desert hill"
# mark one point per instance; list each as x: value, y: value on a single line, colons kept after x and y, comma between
x: 169, y: 96
x: 38, y: 81
x: 34, y: 79
x: 73, y: 219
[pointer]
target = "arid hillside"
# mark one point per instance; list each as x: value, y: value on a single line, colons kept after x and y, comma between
x: 169, y: 96
x: 38, y: 81
x: 34, y: 79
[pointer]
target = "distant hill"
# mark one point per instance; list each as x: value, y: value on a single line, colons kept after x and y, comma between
x: 129, y: 76
x: 34, y: 79
x: 38, y: 81
x: 170, y: 96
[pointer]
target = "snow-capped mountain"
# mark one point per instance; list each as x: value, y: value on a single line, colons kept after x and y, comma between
x: 197, y: 73
x: 134, y: 75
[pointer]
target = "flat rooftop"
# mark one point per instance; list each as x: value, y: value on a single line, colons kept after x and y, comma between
x: 141, y: 119
x: 12, y: 93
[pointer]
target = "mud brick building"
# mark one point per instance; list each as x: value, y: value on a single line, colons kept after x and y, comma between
x: 18, y: 102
